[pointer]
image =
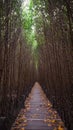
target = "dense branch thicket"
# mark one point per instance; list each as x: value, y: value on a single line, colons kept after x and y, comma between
x: 55, y: 62
x: 36, y: 44
x: 16, y: 62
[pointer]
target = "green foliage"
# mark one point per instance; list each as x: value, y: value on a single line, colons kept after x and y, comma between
x: 32, y: 21
x: 32, y: 24
x: 28, y: 23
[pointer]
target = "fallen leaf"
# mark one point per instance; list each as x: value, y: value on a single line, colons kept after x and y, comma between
x: 60, y: 128
x: 22, y: 128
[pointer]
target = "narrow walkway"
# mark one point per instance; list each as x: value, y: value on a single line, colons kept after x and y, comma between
x: 38, y: 113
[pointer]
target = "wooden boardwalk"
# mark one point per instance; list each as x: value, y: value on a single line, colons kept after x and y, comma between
x: 38, y: 113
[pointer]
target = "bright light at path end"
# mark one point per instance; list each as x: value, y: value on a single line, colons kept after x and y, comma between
x: 25, y: 4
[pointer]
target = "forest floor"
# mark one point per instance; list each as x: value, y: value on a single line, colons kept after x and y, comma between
x: 38, y: 113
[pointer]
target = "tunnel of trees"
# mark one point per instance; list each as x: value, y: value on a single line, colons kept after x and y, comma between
x: 36, y: 44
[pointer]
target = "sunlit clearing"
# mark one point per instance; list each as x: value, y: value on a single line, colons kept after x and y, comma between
x: 25, y: 4
x: 33, y: 28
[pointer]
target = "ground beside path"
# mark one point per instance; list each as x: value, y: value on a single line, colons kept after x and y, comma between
x: 38, y: 113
